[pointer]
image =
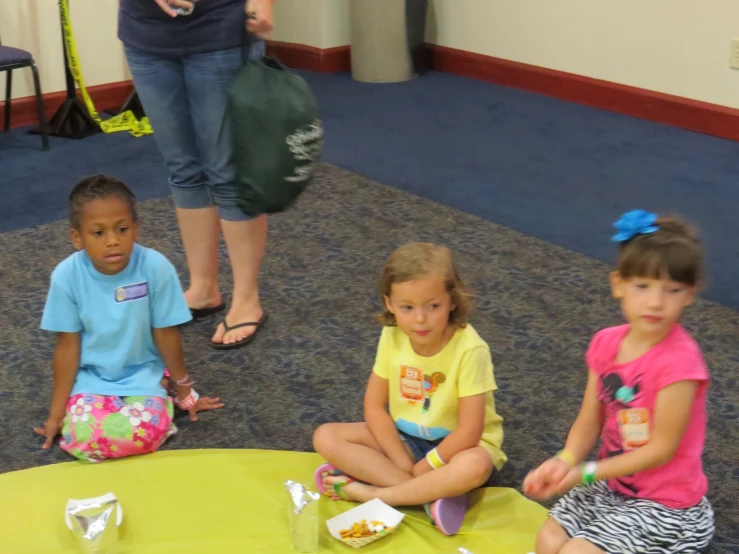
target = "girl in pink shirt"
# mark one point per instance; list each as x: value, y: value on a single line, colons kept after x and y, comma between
x: 646, y: 399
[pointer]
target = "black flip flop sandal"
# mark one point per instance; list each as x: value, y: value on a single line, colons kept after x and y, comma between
x: 197, y: 313
x: 247, y: 340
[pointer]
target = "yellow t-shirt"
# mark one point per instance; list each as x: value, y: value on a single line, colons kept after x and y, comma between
x: 424, y: 392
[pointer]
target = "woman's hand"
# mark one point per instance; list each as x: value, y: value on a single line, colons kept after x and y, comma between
x: 50, y: 429
x: 168, y: 6
x: 259, y: 17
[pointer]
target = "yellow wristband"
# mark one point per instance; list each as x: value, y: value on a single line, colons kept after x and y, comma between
x: 567, y: 457
x: 434, y: 459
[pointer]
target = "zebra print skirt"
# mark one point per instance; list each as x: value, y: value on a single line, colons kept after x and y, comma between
x: 620, y: 525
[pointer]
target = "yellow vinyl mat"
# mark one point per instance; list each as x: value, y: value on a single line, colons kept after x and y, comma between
x: 229, y: 501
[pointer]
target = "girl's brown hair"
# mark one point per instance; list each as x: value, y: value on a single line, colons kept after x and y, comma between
x: 417, y: 260
x: 673, y: 251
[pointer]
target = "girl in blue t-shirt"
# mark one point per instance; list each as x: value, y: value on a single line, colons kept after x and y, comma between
x: 115, y: 307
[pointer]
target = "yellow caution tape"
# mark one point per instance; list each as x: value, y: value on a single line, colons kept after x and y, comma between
x: 125, y: 121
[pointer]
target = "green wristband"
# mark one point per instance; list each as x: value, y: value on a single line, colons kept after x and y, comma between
x: 588, y: 473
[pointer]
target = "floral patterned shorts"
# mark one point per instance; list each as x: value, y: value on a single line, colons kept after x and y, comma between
x: 99, y: 427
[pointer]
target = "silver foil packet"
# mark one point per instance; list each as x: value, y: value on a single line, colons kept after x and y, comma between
x: 183, y: 11
x: 463, y: 550
x: 94, y: 521
x: 303, y: 517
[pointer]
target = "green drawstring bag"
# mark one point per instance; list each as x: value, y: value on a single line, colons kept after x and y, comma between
x: 277, y: 135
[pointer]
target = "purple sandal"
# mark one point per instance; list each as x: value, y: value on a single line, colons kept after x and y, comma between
x: 448, y: 513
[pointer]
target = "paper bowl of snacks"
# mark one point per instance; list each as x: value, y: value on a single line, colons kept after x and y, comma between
x: 365, y: 524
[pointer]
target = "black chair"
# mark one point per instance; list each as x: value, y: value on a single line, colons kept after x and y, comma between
x: 15, y: 58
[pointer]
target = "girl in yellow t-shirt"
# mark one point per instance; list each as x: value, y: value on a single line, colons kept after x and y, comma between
x: 431, y: 433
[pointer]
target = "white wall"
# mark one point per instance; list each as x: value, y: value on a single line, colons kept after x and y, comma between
x: 298, y: 21
x: 335, y: 29
x: 678, y: 47
x: 318, y: 23
x: 34, y: 26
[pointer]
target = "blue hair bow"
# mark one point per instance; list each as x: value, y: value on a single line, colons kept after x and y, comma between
x: 635, y: 222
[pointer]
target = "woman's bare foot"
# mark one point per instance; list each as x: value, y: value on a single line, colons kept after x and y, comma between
x: 199, y: 299
x: 354, y: 492
x: 237, y: 315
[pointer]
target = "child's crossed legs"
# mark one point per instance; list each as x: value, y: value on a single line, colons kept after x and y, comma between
x: 352, y: 448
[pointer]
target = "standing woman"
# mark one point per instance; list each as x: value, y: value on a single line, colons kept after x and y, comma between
x: 183, y: 57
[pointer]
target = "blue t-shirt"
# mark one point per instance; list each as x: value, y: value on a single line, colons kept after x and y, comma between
x: 213, y: 25
x: 115, y: 315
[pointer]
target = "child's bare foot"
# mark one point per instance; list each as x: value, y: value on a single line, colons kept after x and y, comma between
x: 353, y: 491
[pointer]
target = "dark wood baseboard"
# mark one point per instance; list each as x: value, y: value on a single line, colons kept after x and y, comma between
x: 112, y: 95
x: 105, y: 97
x: 702, y: 117
x: 300, y: 56
x: 693, y: 115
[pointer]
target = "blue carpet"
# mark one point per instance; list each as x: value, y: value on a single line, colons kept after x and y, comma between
x: 551, y: 169
x: 34, y: 184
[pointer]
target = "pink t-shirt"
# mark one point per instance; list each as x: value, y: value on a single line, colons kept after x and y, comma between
x: 681, y: 482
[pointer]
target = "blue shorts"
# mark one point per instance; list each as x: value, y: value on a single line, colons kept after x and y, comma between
x: 419, y: 447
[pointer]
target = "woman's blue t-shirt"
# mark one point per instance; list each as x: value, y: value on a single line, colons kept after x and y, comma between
x: 213, y: 25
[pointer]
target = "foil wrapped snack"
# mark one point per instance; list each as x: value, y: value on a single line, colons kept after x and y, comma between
x: 303, y: 517
x: 94, y: 521
x: 182, y: 11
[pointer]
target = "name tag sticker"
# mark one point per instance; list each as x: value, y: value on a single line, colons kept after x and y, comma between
x: 135, y: 291
x: 634, y: 427
x: 411, y: 384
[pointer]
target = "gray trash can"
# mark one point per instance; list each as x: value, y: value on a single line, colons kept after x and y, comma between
x: 387, y: 39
